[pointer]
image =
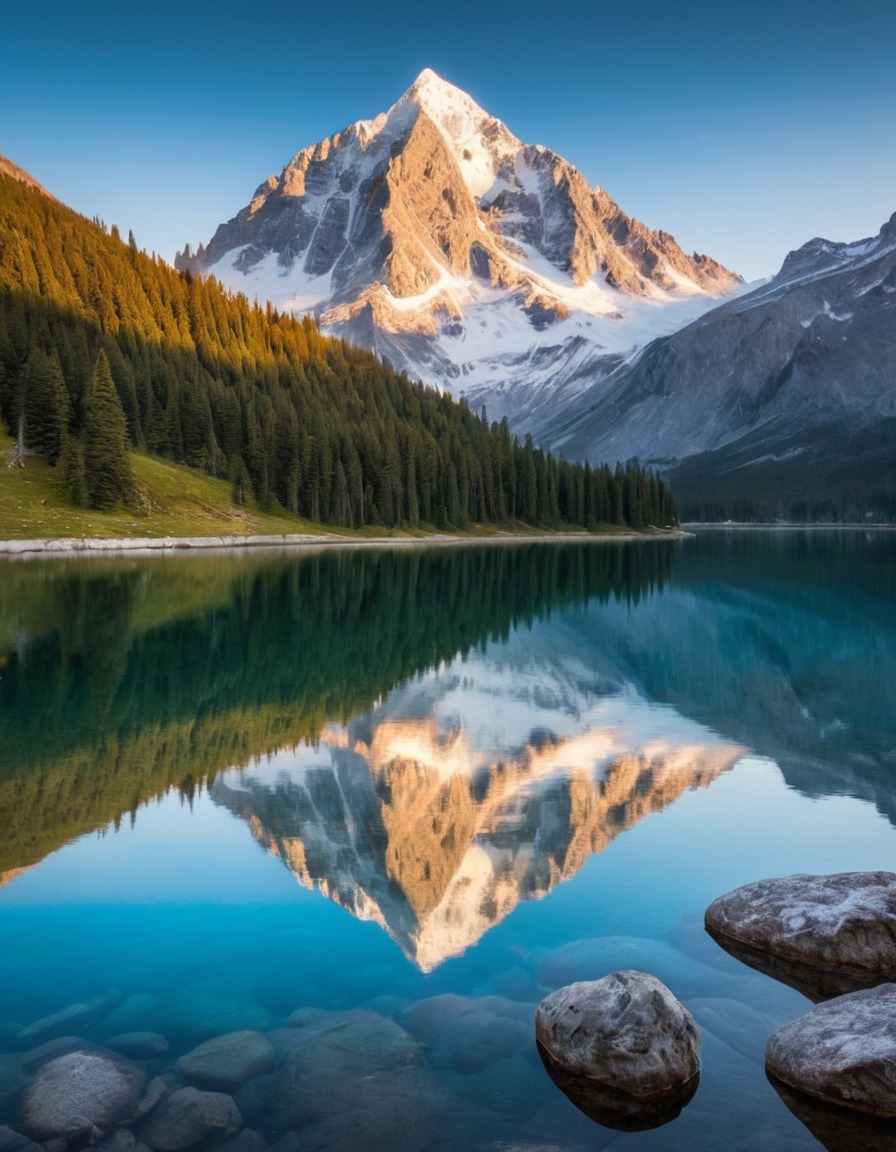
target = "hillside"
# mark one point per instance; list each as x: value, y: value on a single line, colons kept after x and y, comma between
x: 103, y: 348
x: 172, y: 500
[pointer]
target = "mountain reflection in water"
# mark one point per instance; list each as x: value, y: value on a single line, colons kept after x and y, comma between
x: 467, y: 791
x: 121, y: 678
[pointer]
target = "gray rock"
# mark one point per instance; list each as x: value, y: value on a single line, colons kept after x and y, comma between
x: 61, y: 1046
x: 75, y: 1014
x: 189, y: 1116
x: 343, y: 1042
x: 157, y: 1089
x: 227, y: 1062
x: 622, y: 1048
x: 79, y: 1092
x: 467, y: 1034
x: 824, y: 935
x: 843, y: 1052
x: 139, y: 1045
x: 121, y: 1141
x: 12, y: 1141
x: 399, y: 1109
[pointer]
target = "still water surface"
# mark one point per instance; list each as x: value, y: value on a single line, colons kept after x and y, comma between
x: 418, y: 790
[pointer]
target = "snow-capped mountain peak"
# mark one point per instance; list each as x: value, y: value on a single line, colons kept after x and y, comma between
x: 478, y: 263
x: 481, y: 144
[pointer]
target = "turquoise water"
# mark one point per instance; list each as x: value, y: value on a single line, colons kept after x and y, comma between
x: 419, y: 791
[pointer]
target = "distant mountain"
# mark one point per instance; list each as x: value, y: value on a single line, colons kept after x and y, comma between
x: 478, y: 263
x: 781, y: 402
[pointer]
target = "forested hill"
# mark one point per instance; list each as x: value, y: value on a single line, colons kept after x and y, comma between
x: 104, y: 348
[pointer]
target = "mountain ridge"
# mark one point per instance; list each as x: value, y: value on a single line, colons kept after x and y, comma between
x: 781, y: 401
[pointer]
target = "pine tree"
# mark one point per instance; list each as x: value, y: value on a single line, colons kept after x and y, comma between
x: 44, y: 405
x: 71, y: 465
x: 107, y: 469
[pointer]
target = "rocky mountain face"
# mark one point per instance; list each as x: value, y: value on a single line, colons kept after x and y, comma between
x: 437, y: 824
x: 478, y: 263
x: 791, y: 386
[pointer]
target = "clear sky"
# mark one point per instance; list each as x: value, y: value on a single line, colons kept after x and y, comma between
x: 744, y: 129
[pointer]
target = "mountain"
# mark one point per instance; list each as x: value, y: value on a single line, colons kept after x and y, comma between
x: 480, y: 264
x: 7, y: 168
x: 302, y: 422
x: 780, y: 402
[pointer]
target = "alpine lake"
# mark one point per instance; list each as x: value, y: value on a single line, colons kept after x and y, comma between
x: 377, y: 803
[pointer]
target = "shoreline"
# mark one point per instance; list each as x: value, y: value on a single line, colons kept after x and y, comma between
x: 141, y: 545
x: 692, y: 526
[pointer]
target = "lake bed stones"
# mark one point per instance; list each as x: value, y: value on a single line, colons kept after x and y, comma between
x: 824, y: 935
x: 843, y: 1052
x: 227, y: 1062
x: 79, y: 1092
x: 623, y: 1048
x: 188, y: 1117
x: 139, y: 1045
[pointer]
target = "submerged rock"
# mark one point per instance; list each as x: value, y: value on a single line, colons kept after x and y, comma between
x: 346, y: 1042
x: 61, y: 1046
x: 121, y: 1141
x: 824, y: 935
x: 75, y: 1014
x: 624, y: 1049
x: 227, y: 1062
x: 80, y: 1092
x: 467, y: 1034
x: 12, y: 1141
x: 139, y: 1045
x: 155, y: 1090
x: 189, y: 1116
x: 843, y: 1052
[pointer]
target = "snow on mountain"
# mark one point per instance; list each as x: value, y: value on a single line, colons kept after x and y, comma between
x: 474, y: 261
x: 798, y: 373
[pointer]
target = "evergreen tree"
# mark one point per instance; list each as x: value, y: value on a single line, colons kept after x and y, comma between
x: 294, y: 419
x: 44, y: 405
x: 71, y: 465
x: 107, y: 469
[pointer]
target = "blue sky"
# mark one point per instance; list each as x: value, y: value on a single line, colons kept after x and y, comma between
x: 744, y: 129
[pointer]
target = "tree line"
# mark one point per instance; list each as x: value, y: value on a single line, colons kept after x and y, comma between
x: 104, y: 349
